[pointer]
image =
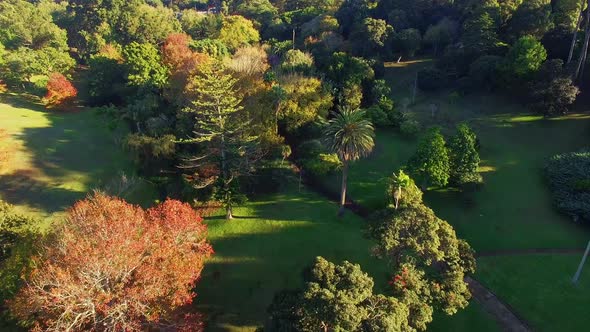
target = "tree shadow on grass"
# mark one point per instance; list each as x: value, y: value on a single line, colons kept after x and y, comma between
x: 20, y: 188
x: 248, y: 269
x: 74, y: 151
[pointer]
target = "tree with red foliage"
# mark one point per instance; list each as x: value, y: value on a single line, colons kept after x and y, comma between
x: 113, y: 266
x: 59, y: 90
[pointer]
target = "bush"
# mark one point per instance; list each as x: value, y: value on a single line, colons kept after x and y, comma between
x: 409, y: 128
x: 379, y: 116
x: 568, y: 175
x: 431, y: 79
x: 60, y: 91
x: 322, y: 164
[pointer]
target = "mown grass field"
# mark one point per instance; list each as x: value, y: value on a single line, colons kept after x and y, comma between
x: 539, y: 287
x: 55, y: 158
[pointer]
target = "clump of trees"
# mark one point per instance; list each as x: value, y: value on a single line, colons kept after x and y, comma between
x: 436, y: 163
x: 108, y: 267
x: 568, y: 179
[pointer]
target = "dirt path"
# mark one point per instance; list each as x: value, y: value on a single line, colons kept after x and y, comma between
x: 501, y: 312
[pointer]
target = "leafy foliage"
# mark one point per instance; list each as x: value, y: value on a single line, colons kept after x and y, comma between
x: 59, y: 90
x: 429, y: 262
x: 336, y: 298
x: 464, y: 158
x: 431, y: 164
x: 106, y: 265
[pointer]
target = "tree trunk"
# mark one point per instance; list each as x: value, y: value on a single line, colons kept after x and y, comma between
x: 586, y: 40
x: 397, y: 196
x: 343, y: 189
x: 228, y: 212
x: 277, y: 110
x: 575, y: 37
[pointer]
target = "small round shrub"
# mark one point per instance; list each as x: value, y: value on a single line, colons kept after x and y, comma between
x: 569, y: 179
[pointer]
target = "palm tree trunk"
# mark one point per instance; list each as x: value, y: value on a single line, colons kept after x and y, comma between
x: 343, y: 189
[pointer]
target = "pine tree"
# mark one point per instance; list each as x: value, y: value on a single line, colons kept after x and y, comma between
x: 226, y: 149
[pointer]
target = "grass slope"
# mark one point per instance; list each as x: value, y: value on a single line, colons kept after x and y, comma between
x: 268, y: 245
x: 54, y: 158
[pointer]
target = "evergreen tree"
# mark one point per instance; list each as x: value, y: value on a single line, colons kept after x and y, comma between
x: 430, y: 163
x: 463, y: 153
x: 225, y: 148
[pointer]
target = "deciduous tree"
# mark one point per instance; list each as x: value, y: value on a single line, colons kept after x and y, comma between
x: 113, y: 266
x: 336, y: 298
x: 59, y: 90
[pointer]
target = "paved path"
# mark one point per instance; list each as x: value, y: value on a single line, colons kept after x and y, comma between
x: 501, y: 312
x: 533, y: 251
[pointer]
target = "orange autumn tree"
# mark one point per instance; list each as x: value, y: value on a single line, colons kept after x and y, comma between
x: 113, y: 266
x: 182, y: 62
x: 59, y: 91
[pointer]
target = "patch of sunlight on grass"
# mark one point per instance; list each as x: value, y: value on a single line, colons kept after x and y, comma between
x: 403, y: 64
x: 486, y: 169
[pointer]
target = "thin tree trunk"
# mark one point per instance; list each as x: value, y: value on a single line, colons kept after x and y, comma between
x: 581, y: 266
x: 277, y: 110
x: 228, y: 212
x: 343, y: 190
x: 586, y: 40
x: 397, y: 196
x: 575, y: 37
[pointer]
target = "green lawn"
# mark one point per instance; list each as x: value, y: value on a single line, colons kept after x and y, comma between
x: 55, y: 158
x: 539, y: 288
x: 269, y: 243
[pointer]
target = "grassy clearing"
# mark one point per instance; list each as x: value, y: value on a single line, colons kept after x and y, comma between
x: 54, y: 158
x: 539, y: 288
x: 268, y: 245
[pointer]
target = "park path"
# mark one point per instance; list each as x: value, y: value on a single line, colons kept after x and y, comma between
x: 502, y: 313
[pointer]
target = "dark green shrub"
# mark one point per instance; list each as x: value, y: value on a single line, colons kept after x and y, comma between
x: 568, y: 179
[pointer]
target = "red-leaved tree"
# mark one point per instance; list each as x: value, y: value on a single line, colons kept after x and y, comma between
x: 59, y: 91
x: 113, y: 266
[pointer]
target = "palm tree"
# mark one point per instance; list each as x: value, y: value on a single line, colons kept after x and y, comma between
x: 350, y: 135
x: 398, y: 182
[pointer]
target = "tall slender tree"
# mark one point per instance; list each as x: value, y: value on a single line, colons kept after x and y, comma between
x: 350, y: 135
x: 225, y: 147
